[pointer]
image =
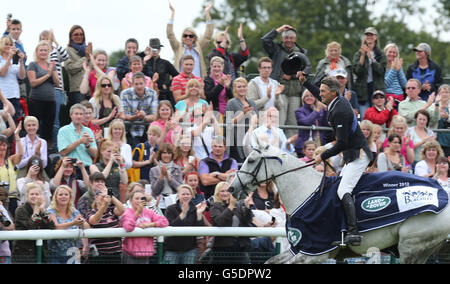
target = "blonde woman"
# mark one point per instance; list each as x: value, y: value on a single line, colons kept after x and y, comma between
x: 32, y: 215
x: 183, y: 250
x: 43, y: 78
x: 110, y: 163
x: 333, y: 60
x: 99, y: 68
x: 117, y: 134
x: 239, y: 111
x: 394, y: 77
x: 106, y: 104
x: 218, y: 87
x: 194, y: 95
x: 10, y: 71
x: 430, y: 154
x: 232, y: 60
x: 399, y: 126
x: 191, y: 42
x: 65, y: 216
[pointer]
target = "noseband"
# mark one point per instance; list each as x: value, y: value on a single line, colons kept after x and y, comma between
x: 263, y: 161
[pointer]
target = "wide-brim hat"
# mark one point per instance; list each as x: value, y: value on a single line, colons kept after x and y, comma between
x: 293, y: 63
x: 155, y: 43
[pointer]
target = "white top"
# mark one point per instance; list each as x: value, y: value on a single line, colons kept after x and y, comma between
x: 197, y: 144
x: 9, y: 84
x: 263, y: 90
x: 125, y: 151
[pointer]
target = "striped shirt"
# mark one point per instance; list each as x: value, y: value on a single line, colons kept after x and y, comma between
x: 59, y: 55
x: 179, y: 82
x: 108, y: 220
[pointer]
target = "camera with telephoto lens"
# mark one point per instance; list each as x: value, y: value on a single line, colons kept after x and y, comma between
x: 4, y: 220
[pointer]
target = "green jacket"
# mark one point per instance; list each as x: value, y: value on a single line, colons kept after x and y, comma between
x: 361, y: 73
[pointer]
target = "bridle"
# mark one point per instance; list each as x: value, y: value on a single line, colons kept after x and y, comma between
x: 263, y: 161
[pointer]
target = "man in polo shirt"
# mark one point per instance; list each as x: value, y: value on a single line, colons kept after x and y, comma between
x: 217, y: 167
x: 75, y: 140
x: 139, y: 104
x: 179, y: 82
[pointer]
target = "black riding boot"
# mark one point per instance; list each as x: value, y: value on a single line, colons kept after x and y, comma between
x: 352, y: 237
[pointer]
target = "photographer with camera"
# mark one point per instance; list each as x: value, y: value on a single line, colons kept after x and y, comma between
x: 6, y: 224
x: 105, y: 213
x: 8, y: 169
x: 66, y: 175
x: 35, y: 173
x: 65, y: 216
x: 112, y: 165
x: 12, y: 69
x: 139, y: 250
x: 31, y: 215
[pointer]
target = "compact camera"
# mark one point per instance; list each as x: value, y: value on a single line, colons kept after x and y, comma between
x: 4, y: 220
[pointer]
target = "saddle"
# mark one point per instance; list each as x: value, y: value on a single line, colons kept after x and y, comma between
x: 381, y: 199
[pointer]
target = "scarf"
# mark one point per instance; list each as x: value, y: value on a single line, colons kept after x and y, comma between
x: 333, y: 63
x: 80, y: 48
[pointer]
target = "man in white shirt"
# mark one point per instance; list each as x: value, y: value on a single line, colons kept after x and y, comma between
x: 265, y: 91
x: 270, y: 129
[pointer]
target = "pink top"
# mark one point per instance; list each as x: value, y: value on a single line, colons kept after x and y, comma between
x: 222, y: 97
x: 140, y: 246
x: 93, y: 79
x: 129, y: 76
x: 403, y: 150
x: 169, y: 136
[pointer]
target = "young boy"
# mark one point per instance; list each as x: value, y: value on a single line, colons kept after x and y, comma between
x: 144, y: 153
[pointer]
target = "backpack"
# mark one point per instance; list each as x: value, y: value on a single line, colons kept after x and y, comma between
x: 134, y: 174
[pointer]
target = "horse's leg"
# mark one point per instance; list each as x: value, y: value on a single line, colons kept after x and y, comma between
x: 306, y: 259
x: 281, y: 258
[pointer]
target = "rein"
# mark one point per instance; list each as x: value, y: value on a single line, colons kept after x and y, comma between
x: 273, y: 177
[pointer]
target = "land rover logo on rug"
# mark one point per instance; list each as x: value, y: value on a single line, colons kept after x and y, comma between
x: 375, y: 204
x: 294, y: 236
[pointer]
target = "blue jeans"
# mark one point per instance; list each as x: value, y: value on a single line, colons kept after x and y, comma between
x: 188, y: 257
x: 59, y: 99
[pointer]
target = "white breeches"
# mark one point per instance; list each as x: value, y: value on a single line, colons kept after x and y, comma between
x: 351, y: 173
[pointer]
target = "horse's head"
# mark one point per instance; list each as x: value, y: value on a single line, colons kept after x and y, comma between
x: 257, y: 169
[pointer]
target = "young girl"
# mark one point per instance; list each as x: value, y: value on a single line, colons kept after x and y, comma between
x: 308, y: 150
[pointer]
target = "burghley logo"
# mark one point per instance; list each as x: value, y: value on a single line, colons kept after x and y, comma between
x: 294, y: 236
x: 375, y: 204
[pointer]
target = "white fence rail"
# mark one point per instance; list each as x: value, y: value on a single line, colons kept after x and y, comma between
x: 150, y: 232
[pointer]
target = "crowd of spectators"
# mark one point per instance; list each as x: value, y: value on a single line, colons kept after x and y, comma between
x: 144, y: 146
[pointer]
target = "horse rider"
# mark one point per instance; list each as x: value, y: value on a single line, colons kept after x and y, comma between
x: 350, y: 141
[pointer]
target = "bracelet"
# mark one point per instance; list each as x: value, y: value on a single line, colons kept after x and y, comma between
x: 242, y: 40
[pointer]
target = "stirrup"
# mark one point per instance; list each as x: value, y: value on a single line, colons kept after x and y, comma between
x: 343, y: 244
x: 340, y: 243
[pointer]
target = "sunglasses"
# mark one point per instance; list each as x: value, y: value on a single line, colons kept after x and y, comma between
x: 189, y: 36
x: 219, y: 42
x: 106, y: 85
x: 378, y: 97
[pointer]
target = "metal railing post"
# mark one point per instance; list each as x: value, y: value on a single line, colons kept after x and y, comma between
x: 39, y: 244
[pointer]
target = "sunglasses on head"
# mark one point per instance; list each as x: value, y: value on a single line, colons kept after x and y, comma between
x: 106, y: 85
x: 189, y: 36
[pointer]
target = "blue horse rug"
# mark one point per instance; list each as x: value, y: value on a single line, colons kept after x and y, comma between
x: 381, y: 199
